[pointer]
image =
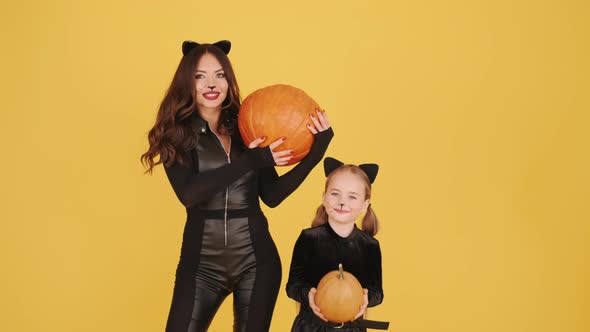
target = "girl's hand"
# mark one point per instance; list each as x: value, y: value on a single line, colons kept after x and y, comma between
x: 320, y: 122
x: 365, y: 303
x: 313, y: 306
x: 280, y: 157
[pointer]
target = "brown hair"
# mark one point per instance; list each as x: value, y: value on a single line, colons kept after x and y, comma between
x: 370, y: 224
x: 173, y: 134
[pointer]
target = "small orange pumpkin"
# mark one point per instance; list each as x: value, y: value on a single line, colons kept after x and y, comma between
x: 339, y: 296
x: 276, y: 111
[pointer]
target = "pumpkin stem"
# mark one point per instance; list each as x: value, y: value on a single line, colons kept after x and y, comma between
x: 340, y: 270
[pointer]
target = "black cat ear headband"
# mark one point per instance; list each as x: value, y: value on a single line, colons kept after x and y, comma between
x: 331, y: 164
x: 188, y: 45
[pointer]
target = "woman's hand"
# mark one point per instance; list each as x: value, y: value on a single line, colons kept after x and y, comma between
x: 280, y: 157
x: 313, y: 306
x: 320, y: 122
x: 365, y: 303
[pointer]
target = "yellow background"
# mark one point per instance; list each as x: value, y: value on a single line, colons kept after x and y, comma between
x: 477, y: 112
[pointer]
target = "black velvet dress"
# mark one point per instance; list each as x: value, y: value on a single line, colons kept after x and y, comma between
x: 227, y: 247
x: 319, y: 250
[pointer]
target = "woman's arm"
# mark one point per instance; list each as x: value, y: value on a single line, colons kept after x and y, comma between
x: 274, y: 189
x: 192, y: 187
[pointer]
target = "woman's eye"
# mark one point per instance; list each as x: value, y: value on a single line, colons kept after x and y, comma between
x: 220, y: 75
x: 199, y: 76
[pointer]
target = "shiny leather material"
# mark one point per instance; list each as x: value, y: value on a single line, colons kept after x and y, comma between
x: 221, y: 266
x: 223, y: 270
x: 243, y: 193
x: 222, y: 201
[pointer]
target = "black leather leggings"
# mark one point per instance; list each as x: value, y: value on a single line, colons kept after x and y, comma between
x: 227, y: 265
x: 217, y: 261
x: 208, y: 301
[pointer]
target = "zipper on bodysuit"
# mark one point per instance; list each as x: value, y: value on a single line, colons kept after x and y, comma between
x: 226, y: 199
x: 226, y: 188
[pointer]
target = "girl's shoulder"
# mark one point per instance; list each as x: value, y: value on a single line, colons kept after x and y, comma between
x: 368, y: 238
x: 315, y: 231
x: 310, y: 236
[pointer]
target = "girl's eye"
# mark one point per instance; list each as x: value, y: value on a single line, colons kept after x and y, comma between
x: 334, y: 194
x: 352, y: 197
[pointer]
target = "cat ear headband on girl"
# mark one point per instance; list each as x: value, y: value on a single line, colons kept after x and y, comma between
x: 331, y: 164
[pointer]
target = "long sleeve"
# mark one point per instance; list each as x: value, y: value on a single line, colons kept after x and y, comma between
x: 274, y: 189
x: 297, y: 286
x: 374, y: 284
x: 192, y: 187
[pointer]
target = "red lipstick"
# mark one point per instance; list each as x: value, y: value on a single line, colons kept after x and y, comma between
x: 211, y: 95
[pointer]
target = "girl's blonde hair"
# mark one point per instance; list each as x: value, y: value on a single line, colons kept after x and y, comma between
x: 370, y: 222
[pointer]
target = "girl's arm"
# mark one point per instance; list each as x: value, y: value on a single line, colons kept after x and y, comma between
x: 274, y: 189
x: 374, y: 284
x: 192, y: 187
x: 297, y: 285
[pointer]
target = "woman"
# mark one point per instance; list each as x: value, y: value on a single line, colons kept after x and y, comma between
x: 226, y: 247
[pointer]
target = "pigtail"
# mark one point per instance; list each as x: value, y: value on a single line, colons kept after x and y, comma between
x: 370, y: 223
x: 321, y: 216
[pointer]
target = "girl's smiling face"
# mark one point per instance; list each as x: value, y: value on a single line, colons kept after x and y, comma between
x: 345, y: 197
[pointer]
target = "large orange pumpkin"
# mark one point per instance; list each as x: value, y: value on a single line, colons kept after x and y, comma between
x: 339, y: 296
x: 276, y: 111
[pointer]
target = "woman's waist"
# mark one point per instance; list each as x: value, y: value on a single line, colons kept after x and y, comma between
x: 225, y: 213
x: 230, y: 199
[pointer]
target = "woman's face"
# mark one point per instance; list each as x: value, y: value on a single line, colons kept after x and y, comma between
x: 344, y: 199
x: 210, y: 83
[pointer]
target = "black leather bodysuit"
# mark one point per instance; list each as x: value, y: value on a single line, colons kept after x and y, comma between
x: 319, y: 250
x: 226, y: 246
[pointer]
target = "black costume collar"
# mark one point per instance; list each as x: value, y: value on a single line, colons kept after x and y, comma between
x: 199, y: 123
x: 355, y: 232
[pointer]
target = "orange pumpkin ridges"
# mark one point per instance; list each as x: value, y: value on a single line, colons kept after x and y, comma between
x: 276, y: 111
x: 339, y: 296
x: 248, y: 132
x: 241, y: 123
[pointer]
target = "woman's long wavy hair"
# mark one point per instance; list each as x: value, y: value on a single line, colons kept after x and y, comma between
x: 370, y: 223
x: 174, y: 135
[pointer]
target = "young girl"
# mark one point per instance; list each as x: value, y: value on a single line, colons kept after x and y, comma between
x: 333, y: 239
